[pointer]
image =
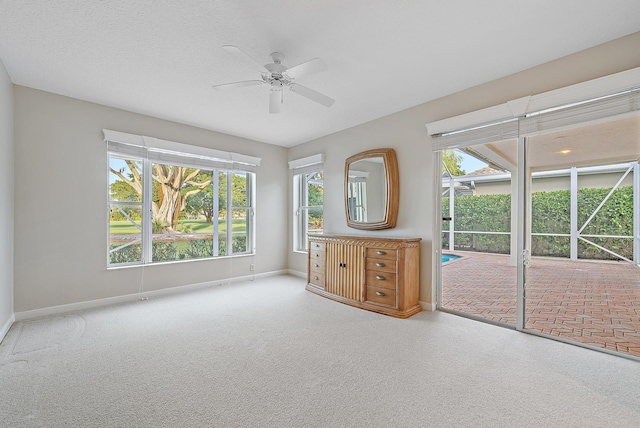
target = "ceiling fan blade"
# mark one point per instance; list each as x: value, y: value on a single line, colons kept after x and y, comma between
x: 306, y: 68
x: 275, y: 101
x: 312, y: 95
x: 242, y: 56
x: 242, y: 84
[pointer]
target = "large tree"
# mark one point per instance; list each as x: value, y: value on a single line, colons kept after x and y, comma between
x: 202, y: 204
x: 169, y: 199
x: 133, y: 179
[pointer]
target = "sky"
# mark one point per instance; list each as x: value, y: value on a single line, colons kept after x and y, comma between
x: 469, y: 163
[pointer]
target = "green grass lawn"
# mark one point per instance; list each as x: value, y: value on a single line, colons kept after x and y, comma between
x: 124, y: 227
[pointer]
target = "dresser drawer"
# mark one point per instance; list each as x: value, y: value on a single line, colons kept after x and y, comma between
x: 319, y: 246
x: 317, y: 279
x: 381, y: 296
x: 381, y: 279
x: 316, y: 255
x: 317, y: 265
x: 380, y: 253
x: 381, y: 265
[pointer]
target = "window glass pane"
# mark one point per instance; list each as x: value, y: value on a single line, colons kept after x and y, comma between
x: 121, y: 253
x: 315, y: 190
x: 125, y: 179
x: 125, y: 233
x: 310, y: 203
x: 182, y: 213
x: 181, y: 247
x: 239, y: 237
x: 239, y: 189
x: 222, y: 244
x: 164, y: 249
x: 222, y: 194
x: 222, y: 213
x: 314, y: 220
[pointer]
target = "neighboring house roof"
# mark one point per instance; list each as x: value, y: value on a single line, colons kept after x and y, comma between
x: 485, y: 171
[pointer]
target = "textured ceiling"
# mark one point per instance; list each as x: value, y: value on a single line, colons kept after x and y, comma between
x: 161, y: 58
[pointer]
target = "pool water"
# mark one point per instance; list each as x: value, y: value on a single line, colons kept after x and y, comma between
x: 449, y: 257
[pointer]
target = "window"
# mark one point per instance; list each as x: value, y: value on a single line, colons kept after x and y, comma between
x: 309, y: 211
x: 308, y: 184
x: 357, y: 198
x: 125, y: 209
x: 171, y: 207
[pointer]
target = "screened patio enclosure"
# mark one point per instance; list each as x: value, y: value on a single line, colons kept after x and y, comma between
x: 549, y: 231
x: 571, y: 231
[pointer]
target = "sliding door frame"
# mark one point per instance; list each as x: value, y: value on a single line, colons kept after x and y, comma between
x: 523, y: 222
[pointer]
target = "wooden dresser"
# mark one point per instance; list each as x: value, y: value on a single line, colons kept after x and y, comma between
x: 377, y: 274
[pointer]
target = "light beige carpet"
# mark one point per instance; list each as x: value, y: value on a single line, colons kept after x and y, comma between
x: 269, y: 354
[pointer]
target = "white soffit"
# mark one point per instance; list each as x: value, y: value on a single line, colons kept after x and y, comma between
x: 535, y: 103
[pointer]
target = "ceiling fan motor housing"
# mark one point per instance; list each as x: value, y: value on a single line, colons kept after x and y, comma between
x: 276, y: 77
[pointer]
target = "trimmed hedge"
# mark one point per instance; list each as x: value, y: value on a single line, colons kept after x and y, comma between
x: 163, y: 251
x: 550, y: 215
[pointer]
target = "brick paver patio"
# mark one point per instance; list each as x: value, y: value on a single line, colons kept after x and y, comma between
x: 596, y: 303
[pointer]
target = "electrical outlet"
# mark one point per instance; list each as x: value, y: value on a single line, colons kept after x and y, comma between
x: 252, y: 267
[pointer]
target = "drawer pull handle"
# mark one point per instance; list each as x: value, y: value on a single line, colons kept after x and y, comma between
x: 316, y: 265
x: 380, y: 264
x: 317, y: 254
x: 381, y: 253
x: 316, y: 278
x: 380, y: 277
x: 380, y: 293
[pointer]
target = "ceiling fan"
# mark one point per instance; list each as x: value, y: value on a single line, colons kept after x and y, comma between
x: 278, y: 76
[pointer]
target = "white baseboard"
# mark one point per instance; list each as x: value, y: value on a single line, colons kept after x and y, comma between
x: 431, y: 307
x: 72, y: 307
x: 297, y: 273
x: 5, y: 328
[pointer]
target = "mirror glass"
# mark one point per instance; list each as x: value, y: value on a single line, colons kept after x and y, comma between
x: 371, y: 190
x: 367, y: 192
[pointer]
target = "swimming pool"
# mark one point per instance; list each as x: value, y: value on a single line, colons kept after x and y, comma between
x: 449, y: 257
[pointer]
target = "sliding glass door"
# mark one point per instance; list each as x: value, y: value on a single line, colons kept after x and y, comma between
x: 583, y: 281
x: 478, y: 263
x: 544, y: 235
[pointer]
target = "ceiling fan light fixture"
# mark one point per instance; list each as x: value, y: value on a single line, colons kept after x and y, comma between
x: 277, y: 57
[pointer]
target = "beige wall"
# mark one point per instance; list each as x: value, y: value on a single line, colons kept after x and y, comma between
x: 6, y: 200
x: 60, y: 203
x: 405, y: 132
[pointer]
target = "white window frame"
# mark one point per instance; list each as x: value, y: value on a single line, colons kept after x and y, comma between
x: 302, y: 168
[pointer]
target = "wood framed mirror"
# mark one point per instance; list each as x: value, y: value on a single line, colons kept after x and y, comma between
x: 371, y: 189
